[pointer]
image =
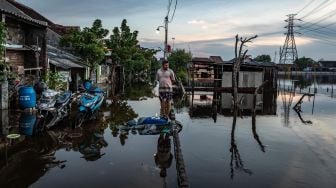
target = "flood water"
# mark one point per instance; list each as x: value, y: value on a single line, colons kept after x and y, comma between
x: 288, y: 149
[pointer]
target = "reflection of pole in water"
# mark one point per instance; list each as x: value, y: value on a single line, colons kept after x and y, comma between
x: 332, y: 85
x: 287, y: 96
x: 236, y: 161
x: 313, y: 105
x: 255, y: 134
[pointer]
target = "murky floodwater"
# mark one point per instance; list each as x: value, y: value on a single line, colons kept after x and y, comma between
x: 289, y: 149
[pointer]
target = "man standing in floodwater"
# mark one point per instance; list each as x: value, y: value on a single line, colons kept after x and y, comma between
x: 166, y: 78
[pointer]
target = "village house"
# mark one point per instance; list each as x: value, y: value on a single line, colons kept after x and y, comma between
x: 327, y: 65
x: 33, y: 43
x: 250, y: 77
x: 201, y: 71
x: 25, y: 48
x: 215, y: 75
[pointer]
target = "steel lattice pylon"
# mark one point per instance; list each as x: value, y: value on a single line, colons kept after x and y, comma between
x: 288, y: 53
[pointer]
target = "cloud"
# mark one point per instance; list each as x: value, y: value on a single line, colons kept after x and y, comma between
x: 196, y: 22
x: 206, y: 27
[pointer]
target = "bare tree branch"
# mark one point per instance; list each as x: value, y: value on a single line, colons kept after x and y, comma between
x: 236, y: 67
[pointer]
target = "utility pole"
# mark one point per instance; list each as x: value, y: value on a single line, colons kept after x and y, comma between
x: 166, y: 38
x: 173, y: 43
x: 288, y: 53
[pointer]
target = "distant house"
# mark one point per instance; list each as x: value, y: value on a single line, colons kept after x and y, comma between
x: 327, y: 64
x: 201, y: 71
x: 216, y: 59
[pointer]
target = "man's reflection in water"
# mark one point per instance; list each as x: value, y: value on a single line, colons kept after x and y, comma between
x: 163, y: 157
x: 123, y: 136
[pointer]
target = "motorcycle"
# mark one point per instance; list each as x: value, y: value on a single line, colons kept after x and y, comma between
x: 89, y: 104
x: 54, y: 107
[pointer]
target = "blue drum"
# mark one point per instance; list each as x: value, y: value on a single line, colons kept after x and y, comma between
x: 27, y: 97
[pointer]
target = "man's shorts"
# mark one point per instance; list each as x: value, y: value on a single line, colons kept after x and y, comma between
x: 166, y: 96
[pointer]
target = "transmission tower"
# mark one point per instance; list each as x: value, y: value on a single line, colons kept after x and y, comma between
x: 288, y: 53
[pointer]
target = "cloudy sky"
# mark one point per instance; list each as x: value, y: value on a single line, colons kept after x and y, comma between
x: 208, y: 27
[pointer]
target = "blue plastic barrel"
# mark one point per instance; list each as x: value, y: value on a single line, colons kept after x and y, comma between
x: 27, y: 97
x: 27, y: 123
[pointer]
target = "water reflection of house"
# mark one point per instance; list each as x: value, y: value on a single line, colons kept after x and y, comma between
x: 201, y: 105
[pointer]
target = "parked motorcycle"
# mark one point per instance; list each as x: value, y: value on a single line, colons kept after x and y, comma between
x: 89, y: 104
x: 54, y: 107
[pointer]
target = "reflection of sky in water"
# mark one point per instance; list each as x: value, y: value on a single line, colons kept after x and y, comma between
x: 297, y: 155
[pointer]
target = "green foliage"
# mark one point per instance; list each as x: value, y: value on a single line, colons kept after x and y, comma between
x: 3, y: 33
x: 127, y: 51
x: 3, y: 65
x: 88, y: 43
x: 304, y: 62
x: 138, y: 91
x: 178, y: 61
x: 54, y: 81
x: 263, y: 58
x: 121, y: 113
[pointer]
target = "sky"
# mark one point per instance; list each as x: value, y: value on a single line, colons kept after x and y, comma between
x: 208, y: 27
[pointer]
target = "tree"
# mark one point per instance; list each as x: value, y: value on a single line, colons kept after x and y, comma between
x: 263, y: 58
x: 3, y: 65
x: 127, y: 52
x: 88, y: 44
x: 178, y: 60
x: 239, y: 58
x: 2, y: 38
x: 304, y: 62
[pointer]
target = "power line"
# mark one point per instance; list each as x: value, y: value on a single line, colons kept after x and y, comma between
x: 172, y: 18
x: 325, y: 16
x: 321, y: 35
x: 168, y: 8
x: 305, y: 6
x: 321, y: 19
x: 317, y: 27
x: 319, y: 7
x: 319, y: 40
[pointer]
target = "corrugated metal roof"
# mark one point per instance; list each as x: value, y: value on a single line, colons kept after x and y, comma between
x: 8, y: 8
x: 216, y: 59
x: 202, y: 59
x: 63, y: 59
x: 63, y: 63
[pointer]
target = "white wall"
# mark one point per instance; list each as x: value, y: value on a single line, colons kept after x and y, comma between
x: 246, y: 79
